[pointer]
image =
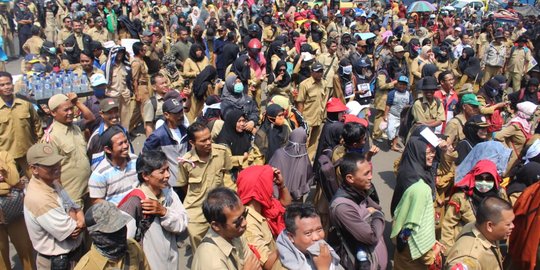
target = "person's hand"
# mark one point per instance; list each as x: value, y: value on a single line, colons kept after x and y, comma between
x: 246, y: 156
x: 151, y: 207
x: 249, y: 126
x: 371, y: 210
x: 279, y: 77
x: 73, y: 98
x: 394, y: 82
x: 372, y: 151
x: 501, y: 105
x: 278, y: 179
x: 438, y: 248
x: 251, y: 262
x: 324, y: 259
x: 252, y: 88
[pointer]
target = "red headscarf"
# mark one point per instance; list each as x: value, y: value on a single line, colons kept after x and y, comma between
x: 483, y: 166
x: 256, y: 183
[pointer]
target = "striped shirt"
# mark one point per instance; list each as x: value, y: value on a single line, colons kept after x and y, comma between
x: 110, y: 182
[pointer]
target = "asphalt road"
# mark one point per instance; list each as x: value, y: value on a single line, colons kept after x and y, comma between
x: 383, y: 179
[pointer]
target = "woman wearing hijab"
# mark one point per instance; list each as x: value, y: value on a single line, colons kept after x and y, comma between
x: 516, y: 133
x: 126, y: 28
x: 242, y: 70
x: 344, y: 81
x: 194, y: 16
x: 281, y: 84
x: 413, y: 49
x: 202, y: 86
x: 276, y: 53
x: 526, y: 176
x: 412, y: 208
x: 234, y: 97
x: 238, y: 140
x: 265, y: 214
x: 425, y: 57
x: 475, y: 131
x: 293, y: 162
x: 273, y: 133
x: 481, y: 182
x: 211, y: 115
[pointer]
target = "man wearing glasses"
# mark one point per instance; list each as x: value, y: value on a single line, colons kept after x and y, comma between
x: 223, y: 246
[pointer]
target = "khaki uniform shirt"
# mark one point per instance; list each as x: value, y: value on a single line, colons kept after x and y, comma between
x: 475, y: 251
x: 9, y: 171
x: 200, y: 177
x: 215, y: 252
x: 20, y: 127
x: 362, y: 27
x: 69, y: 142
x: 268, y: 34
x: 458, y: 214
x: 99, y: 35
x: 62, y: 35
x: 518, y: 57
x: 454, y: 129
x: 33, y: 45
x: 133, y: 260
x: 313, y: 96
x: 326, y: 60
x: 139, y: 73
x: 384, y: 88
x: 431, y: 112
x: 514, y: 139
x: 259, y: 235
x: 118, y: 83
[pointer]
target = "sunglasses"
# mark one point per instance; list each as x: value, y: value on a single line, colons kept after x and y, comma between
x: 282, y: 70
x: 484, y: 178
x: 238, y: 222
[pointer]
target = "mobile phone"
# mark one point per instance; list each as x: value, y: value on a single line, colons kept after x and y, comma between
x: 186, y: 83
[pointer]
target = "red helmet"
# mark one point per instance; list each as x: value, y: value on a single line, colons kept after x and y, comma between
x: 254, y: 44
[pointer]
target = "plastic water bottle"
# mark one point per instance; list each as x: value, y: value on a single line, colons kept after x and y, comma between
x: 57, y: 84
x: 363, y: 260
x: 76, y: 80
x: 24, y: 88
x: 66, y: 87
x: 84, y: 84
x: 38, y: 88
x: 48, y: 88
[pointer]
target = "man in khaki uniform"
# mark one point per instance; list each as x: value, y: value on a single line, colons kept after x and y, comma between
x: 98, y: 33
x: 384, y: 85
x: 140, y: 79
x: 494, y: 58
x: 65, y: 32
x: 33, y: 44
x: 200, y: 170
x: 330, y: 62
x: 311, y: 102
x: 223, y: 247
x: 20, y: 125
x: 477, y: 246
x: 517, y: 63
x: 428, y: 110
x: 67, y: 139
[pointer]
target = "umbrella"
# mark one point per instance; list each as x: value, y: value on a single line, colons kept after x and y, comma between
x: 421, y: 6
x: 364, y: 36
x: 490, y: 150
x: 527, y: 10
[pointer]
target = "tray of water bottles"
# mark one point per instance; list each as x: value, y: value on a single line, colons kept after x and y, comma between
x: 44, y: 86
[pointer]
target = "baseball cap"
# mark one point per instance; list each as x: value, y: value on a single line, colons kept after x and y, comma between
x: 399, y: 48
x: 43, y: 154
x: 317, y: 67
x: 349, y: 118
x: 108, y: 104
x: 470, y: 99
x: 147, y: 33
x: 97, y: 80
x: 56, y: 100
x: 335, y: 105
x: 105, y: 217
x: 404, y: 79
x: 307, y: 56
x: 478, y: 120
x: 172, y: 106
x: 31, y: 58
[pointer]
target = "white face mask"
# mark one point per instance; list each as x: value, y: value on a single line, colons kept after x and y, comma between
x: 484, y: 186
x: 347, y: 70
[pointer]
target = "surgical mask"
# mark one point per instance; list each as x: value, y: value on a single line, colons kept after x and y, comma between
x: 52, y: 50
x: 69, y: 49
x: 238, y: 88
x: 347, y: 69
x: 484, y: 186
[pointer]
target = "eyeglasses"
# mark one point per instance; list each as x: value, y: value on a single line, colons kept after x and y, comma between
x: 282, y: 70
x: 238, y: 222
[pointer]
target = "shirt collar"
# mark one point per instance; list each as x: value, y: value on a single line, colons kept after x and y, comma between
x: 485, y: 242
x: 221, y: 243
x: 148, y: 192
x: 15, y: 101
x: 62, y: 127
x: 99, y: 260
x: 254, y: 214
x: 195, y: 157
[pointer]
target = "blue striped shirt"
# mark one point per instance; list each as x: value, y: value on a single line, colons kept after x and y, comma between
x: 111, y: 183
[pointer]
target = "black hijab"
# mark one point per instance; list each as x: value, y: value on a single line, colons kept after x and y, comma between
x: 412, y: 52
x: 526, y: 176
x: 412, y: 168
x: 239, y: 143
x: 286, y: 77
x: 463, y: 61
x: 277, y: 136
x: 201, y: 82
x: 130, y: 26
x: 193, y: 52
x: 241, y: 70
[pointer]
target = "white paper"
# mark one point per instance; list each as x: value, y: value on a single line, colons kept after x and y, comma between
x: 449, y: 116
x: 364, y: 87
x: 349, y: 90
x: 532, y: 63
x: 430, y: 137
x: 128, y: 44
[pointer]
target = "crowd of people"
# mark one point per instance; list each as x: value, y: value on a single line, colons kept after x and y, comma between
x: 260, y: 121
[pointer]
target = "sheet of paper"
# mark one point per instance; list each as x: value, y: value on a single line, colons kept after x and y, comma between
x: 430, y: 137
x: 364, y: 87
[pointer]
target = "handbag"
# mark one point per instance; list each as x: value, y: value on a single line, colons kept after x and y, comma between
x: 11, y: 206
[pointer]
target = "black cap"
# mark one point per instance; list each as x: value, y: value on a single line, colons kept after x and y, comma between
x: 317, y: 67
x: 172, y: 106
x: 478, y: 120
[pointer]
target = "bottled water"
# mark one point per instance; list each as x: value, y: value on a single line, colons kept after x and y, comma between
x: 24, y: 87
x: 363, y: 260
x: 76, y: 83
x: 38, y: 88
x: 47, y: 92
x: 84, y: 84
x: 57, y: 84
x: 66, y: 87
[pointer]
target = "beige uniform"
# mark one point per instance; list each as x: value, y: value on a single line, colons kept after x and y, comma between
x: 217, y: 253
x: 331, y: 65
x: 99, y: 35
x: 191, y: 70
x: 33, y: 45
x: 384, y: 86
x: 94, y: 260
x: 200, y: 177
x: 258, y: 234
x: 69, y: 142
x: 119, y: 89
x: 62, y: 35
x: 513, y: 137
x: 139, y: 73
x: 474, y: 251
x: 314, y: 96
x: 516, y: 65
x: 433, y: 111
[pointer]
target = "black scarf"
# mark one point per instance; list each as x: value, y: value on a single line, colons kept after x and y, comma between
x: 286, y: 77
x: 463, y: 62
x: 239, y: 143
x: 201, y: 82
x: 130, y: 27
x: 111, y: 245
x: 276, y: 135
x: 526, y: 176
x: 241, y: 70
x: 193, y: 53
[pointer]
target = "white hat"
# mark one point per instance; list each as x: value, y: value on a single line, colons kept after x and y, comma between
x: 527, y: 108
x: 354, y: 107
x: 307, y: 56
x: 97, y: 80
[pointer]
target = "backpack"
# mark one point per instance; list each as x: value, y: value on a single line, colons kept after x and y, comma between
x: 153, y: 100
x: 326, y: 174
x: 144, y: 223
x: 496, y: 121
x: 406, y: 118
